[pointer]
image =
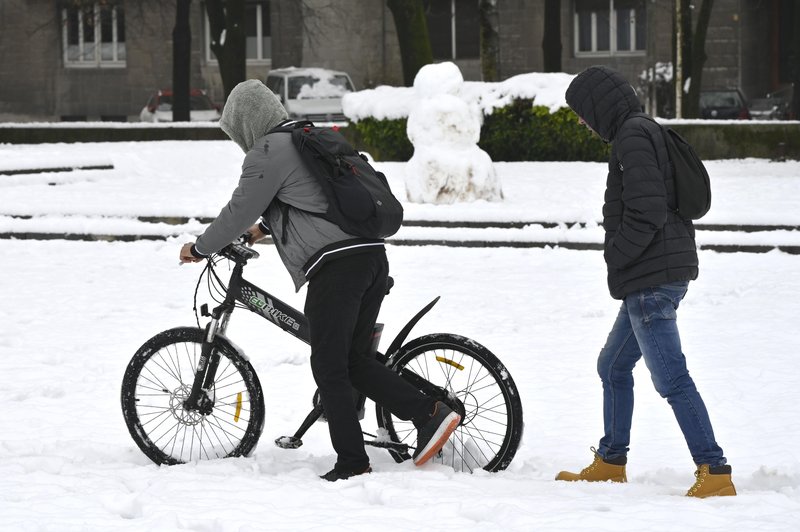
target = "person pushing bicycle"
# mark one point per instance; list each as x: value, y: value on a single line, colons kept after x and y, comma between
x: 347, y: 279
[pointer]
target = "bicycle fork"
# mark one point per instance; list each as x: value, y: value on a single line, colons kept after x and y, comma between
x: 201, y: 397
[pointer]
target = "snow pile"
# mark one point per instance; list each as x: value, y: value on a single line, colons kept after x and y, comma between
x: 447, y: 165
x: 662, y: 73
x: 390, y: 103
x: 324, y: 84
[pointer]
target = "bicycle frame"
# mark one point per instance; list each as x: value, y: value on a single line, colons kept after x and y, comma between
x: 294, y: 322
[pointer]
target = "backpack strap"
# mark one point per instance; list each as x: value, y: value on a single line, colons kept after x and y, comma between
x: 664, y: 132
x: 287, y: 127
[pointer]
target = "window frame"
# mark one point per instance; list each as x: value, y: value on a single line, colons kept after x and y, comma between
x: 211, y: 59
x: 613, y: 35
x: 97, y: 61
x: 454, y: 52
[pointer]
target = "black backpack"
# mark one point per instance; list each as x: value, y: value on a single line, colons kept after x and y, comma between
x: 692, y: 184
x: 360, y: 201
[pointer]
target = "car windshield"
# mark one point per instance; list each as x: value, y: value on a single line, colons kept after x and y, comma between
x: 313, y: 87
x: 197, y: 102
x: 764, y: 104
x: 720, y: 99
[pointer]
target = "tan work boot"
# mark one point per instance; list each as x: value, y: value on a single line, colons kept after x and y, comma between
x: 712, y: 482
x: 598, y: 471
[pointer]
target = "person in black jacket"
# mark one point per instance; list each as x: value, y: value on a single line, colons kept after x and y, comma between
x: 651, y: 256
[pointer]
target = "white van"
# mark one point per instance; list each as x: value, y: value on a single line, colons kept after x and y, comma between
x: 311, y: 93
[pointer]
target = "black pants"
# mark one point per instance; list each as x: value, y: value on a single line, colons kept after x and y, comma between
x: 342, y: 306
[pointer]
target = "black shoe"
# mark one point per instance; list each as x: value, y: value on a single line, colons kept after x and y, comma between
x: 434, y: 433
x: 333, y: 475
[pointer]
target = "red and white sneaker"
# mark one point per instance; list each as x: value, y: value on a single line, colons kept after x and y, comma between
x: 432, y: 436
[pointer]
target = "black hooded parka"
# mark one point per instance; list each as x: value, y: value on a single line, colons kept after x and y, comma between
x: 646, y: 242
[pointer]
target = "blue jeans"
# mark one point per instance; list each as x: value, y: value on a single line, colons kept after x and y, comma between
x: 646, y: 327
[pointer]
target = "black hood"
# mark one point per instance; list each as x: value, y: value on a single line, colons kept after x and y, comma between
x: 603, y: 99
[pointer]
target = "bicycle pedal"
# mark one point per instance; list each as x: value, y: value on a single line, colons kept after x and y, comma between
x: 288, y: 442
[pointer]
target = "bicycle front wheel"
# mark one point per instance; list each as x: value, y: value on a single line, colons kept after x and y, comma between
x: 474, y: 383
x: 158, y: 380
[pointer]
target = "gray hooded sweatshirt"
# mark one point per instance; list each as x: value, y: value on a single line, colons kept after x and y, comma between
x: 273, y: 169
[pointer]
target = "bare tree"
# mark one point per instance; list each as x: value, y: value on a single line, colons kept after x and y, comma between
x: 551, y: 41
x: 412, y: 34
x: 698, y: 59
x: 794, y: 63
x: 690, y: 55
x: 228, y: 40
x: 181, y: 62
x: 490, y: 40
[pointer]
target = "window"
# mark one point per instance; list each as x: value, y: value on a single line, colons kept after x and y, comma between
x: 275, y: 84
x: 610, y: 27
x: 94, y: 35
x: 258, y: 44
x: 453, y: 28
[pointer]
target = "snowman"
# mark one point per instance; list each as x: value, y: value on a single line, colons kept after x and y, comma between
x: 447, y: 165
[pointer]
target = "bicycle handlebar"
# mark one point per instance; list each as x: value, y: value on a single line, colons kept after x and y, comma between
x: 238, y: 253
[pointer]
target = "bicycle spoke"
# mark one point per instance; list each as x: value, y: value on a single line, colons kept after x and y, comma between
x: 157, y: 384
x: 484, y: 394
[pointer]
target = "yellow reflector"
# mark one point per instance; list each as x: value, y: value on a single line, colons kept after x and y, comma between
x: 451, y: 362
x: 238, y: 407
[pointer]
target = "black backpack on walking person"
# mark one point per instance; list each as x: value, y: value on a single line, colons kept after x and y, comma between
x: 692, y: 184
x: 360, y: 201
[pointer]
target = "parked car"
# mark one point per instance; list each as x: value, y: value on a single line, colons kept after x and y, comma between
x: 311, y: 93
x: 159, y: 107
x: 724, y: 104
x: 777, y: 105
x: 769, y: 109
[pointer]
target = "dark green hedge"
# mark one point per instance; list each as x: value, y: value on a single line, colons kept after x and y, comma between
x: 524, y: 132
x: 385, y: 140
x: 517, y: 132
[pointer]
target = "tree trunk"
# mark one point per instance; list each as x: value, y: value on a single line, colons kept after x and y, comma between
x: 551, y: 41
x: 698, y: 59
x: 228, y: 40
x: 682, y: 39
x: 412, y: 35
x: 794, y: 63
x: 490, y: 40
x: 181, y: 62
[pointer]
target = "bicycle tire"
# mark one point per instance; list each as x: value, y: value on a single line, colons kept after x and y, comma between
x: 158, y: 379
x: 473, y: 381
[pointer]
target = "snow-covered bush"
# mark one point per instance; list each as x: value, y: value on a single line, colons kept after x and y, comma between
x: 525, y: 118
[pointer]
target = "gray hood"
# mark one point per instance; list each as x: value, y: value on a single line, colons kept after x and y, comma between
x: 250, y: 112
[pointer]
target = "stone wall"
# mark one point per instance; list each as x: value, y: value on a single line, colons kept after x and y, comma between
x: 37, y: 85
x: 357, y: 36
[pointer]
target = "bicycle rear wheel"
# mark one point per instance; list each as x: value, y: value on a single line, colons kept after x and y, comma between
x: 158, y: 380
x: 472, y: 381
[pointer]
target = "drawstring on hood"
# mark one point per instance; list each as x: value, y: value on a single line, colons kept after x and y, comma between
x: 251, y: 111
x: 603, y: 98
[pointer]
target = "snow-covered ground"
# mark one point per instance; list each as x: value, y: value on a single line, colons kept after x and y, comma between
x: 73, y: 313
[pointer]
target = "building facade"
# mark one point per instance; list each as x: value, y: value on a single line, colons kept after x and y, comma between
x: 100, y: 60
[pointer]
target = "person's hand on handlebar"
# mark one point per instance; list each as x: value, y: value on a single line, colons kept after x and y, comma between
x: 255, y: 234
x: 186, y: 254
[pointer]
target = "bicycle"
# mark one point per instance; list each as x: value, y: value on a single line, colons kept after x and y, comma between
x: 190, y: 394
